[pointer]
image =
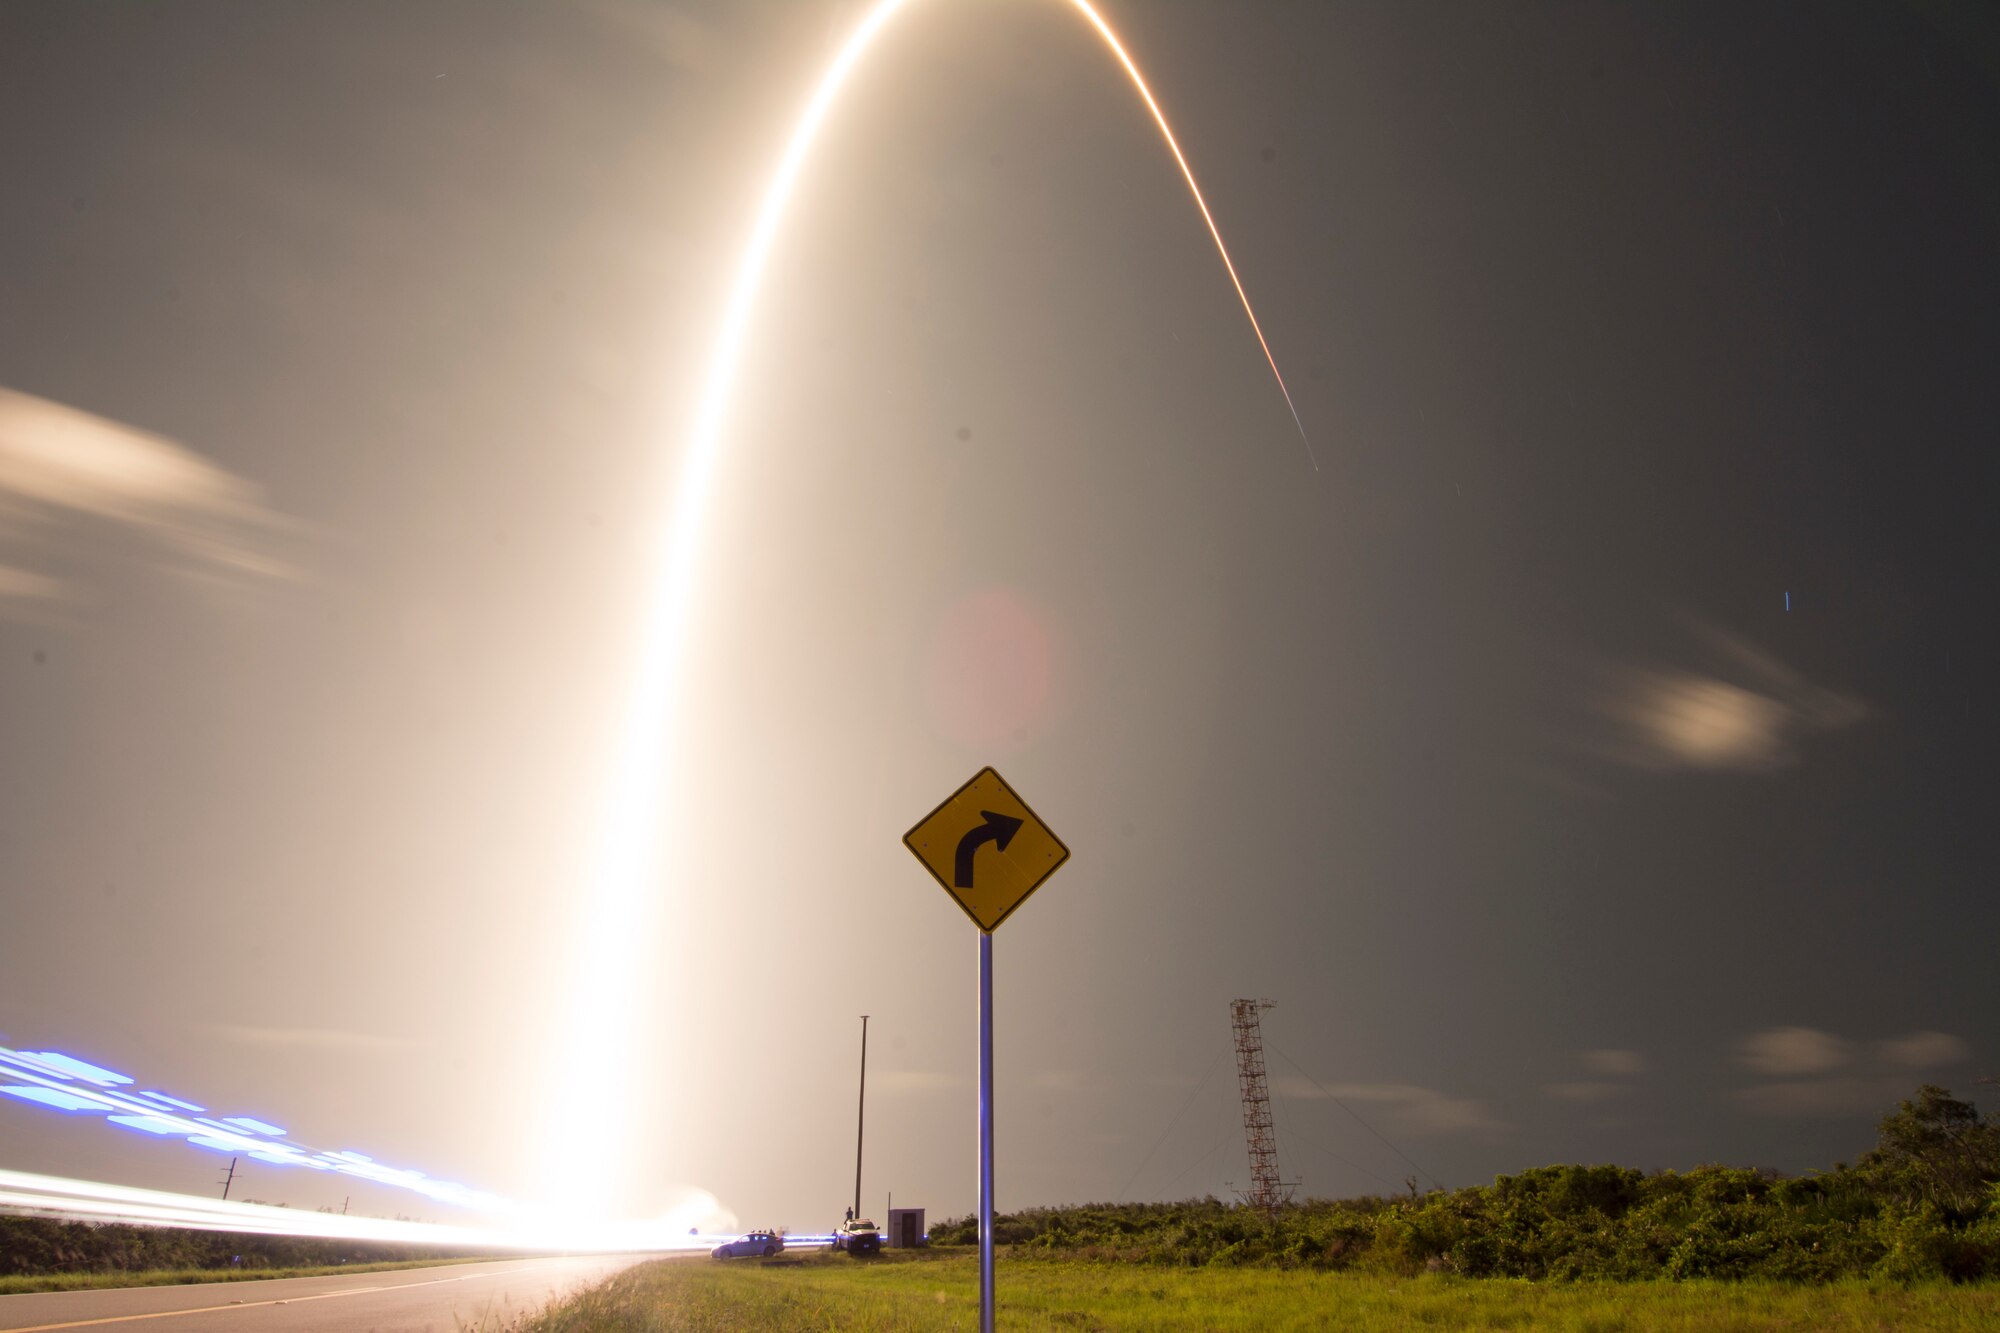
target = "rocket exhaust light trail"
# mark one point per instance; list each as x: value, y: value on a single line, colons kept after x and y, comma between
x: 620, y: 887
x: 1173, y: 146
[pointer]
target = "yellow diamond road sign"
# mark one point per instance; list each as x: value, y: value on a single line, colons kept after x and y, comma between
x: 988, y: 849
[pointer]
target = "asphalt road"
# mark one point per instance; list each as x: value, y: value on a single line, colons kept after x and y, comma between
x: 411, y: 1300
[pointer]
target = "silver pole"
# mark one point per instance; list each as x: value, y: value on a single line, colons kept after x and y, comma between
x: 861, y: 1115
x: 985, y: 1132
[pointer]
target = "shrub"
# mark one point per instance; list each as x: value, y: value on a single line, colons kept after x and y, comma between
x: 1925, y: 1204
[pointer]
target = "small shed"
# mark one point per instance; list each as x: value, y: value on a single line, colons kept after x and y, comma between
x: 906, y: 1228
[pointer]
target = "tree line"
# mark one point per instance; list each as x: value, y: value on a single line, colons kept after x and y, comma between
x: 1923, y: 1204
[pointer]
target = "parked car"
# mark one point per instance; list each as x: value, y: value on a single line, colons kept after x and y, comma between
x: 765, y: 1243
x: 857, y: 1235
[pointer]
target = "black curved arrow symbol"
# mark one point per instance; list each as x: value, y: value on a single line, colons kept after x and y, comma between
x: 998, y: 830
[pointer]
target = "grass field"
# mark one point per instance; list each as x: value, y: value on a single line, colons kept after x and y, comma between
x: 175, y: 1277
x: 909, y: 1293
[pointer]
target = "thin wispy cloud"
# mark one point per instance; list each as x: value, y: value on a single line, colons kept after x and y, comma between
x: 62, y: 467
x: 1813, y: 1073
x: 1405, y: 1106
x: 681, y: 39
x: 1842, y: 1095
x: 25, y: 590
x: 1743, y: 710
x: 307, y: 1039
x: 1784, y: 1052
x: 1924, y: 1050
x: 1623, y: 1064
x: 915, y: 1081
x: 1611, y: 1071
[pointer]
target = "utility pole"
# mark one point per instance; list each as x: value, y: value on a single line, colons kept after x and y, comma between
x: 229, y: 1179
x: 861, y: 1115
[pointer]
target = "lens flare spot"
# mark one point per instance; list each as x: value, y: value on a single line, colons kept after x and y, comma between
x: 992, y: 675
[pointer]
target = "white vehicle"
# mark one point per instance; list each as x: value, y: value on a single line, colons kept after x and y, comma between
x: 761, y: 1243
x: 857, y: 1235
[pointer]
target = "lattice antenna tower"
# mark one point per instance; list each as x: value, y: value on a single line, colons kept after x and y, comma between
x: 1266, y: 1191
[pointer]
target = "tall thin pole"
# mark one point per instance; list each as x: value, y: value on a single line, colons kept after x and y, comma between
x: 861, y: 1115
x: 985, y: 1132
x: 229, y: 1179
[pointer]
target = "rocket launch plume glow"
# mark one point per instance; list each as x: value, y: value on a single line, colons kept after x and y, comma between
x: 621, y: 887
x: 680, y: 1228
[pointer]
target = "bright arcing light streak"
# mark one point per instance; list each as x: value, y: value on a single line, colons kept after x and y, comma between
x: 595, y: 1041
x: 1167, y: 133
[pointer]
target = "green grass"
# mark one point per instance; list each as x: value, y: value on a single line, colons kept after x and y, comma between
x: 174, y: 1277
x: 912, y: 1292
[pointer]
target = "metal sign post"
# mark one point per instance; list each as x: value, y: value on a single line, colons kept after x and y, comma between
x: 985, y: 1131
x: 953, y: 841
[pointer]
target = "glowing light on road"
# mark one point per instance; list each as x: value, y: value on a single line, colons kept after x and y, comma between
x: 96, y: 1201
x: 597, y: 1035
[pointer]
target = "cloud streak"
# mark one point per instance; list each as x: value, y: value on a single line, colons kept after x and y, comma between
x: 915, y: 1082
x: 1788, y: 1052
x: 1610, y: 1070
x: 23, y: 589
x: 1923, y: 1050
x: 1415, y: 1109
x: 1620, y: 1064
x: 1744, y: 712
x: 1813, y: 1073
x: 60, y: 465
x: 312, y: 1039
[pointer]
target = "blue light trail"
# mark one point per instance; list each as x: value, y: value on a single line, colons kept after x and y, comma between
x: 58, y: 1082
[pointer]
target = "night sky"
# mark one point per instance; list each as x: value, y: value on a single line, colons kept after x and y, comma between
x: 1591, y: 756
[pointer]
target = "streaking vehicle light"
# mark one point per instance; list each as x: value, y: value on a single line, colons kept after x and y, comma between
x: 173, y: 1102
x: 56, y: 1097
x: 59, y: 1082
x: 68, y: 1066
